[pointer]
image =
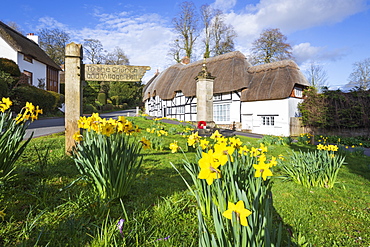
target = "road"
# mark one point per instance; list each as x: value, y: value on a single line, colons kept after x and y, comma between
x: 49, y: 126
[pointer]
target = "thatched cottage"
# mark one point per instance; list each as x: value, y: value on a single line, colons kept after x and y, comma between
x: 33, y: 62
x: 261, y: 99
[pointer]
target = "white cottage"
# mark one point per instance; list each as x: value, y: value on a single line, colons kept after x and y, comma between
x: 260, y: 99
x: 33, y: 62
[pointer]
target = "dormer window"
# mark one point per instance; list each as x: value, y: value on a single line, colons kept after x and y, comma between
x: 298, y: 92
x: 27, y: 58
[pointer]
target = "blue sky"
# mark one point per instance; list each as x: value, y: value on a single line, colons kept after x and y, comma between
x: 332, y: 33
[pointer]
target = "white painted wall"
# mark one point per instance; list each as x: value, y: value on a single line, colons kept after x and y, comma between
x: 6, y: 51
x: 253, y: 111
x: 37, y: 69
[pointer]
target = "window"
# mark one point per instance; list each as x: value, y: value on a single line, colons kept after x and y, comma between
x: 217, y: 97
x: 298, y: 92
x: 193, y: 109
x: 27, y: 58
x: 181, y: 110
x: 221, y: 113
x: 267, y: 120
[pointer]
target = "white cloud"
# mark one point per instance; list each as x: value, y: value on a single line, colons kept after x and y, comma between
x: 304, y: 52
x: 224, y: 5
x: 145, y: 39
x: 50, y: 23
x: 291, y: 15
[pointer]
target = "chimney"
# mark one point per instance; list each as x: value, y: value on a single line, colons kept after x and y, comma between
x: 185, y: 60
x: 33, y: 37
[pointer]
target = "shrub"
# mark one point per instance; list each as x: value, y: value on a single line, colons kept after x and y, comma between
x: 37, y: 96
x: 315, y: 169
x: 107, y: 107
x: 102, y: 98
x: 107, y: 156
x: 233, y: 191
x: 89, y: 108
x: 7, y: 82
x: 10, y: 67
x: 59, y: 99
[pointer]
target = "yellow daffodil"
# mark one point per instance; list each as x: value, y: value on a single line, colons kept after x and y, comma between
x: 235, y: 142
x: 263, y: 148
x: 262, y: 170
x: 254, y: 152
x: 193, y: 139
x: 174, y: 147
x: 77, y: 136
x: 243, y: 150
x: 320, y: 147
x: 224, y: 152
x: 273, y: 161
x: 209, y: 167
x: 146, y: 143
x: 215, y: 135
x: 204, y: 143
x: 240, y: 211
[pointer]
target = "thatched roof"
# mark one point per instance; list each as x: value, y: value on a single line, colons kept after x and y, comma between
x: 273, y: 81
x: 24, y: 45
x: 233, y: 72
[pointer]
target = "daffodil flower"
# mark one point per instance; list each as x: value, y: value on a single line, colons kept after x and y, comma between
x: 174, y: 147
x: 146, y: 143
x: 240, y: 211
x: 209, y: 167
x: 262, y: 170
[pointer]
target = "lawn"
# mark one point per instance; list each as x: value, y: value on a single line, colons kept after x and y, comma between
x: 48, y: 202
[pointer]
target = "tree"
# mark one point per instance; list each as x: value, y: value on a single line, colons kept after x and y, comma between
x: 53, y: 42
x: 223, y: 35
x: 360, y: 76
x: 117, y: 57
x: 175, y: 51
x: 13, y: 25
x: 317, y: 76
x: 207, y: 14
x: 94, y: 51
x: 186, y: 27
x: 270, y: 47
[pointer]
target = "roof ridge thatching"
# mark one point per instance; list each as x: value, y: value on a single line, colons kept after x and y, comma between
x: 272, y: 66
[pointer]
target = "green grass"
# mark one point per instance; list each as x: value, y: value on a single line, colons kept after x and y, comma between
x: 48, y: 204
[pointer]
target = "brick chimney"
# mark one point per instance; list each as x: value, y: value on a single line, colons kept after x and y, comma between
x: 33, y: 37
x: 185, y: 60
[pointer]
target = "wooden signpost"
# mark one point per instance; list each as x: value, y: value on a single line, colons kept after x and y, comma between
x: 76, y: 71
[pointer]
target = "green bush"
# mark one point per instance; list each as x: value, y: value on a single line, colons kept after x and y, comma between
x: 4, y: 92
x: 9, y: 66
x: 89, y: 108
x: 107, y: 107
x: 40, y: 97
x: 7, y: 81
x: 59, y: 99
x: 102, y: 98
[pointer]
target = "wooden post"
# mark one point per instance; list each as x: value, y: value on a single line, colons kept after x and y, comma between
x: 73, y: 92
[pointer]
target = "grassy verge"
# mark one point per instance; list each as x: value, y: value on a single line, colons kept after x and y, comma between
x: 48, y: 203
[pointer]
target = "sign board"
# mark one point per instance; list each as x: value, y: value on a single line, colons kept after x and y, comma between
x: 101, y: 72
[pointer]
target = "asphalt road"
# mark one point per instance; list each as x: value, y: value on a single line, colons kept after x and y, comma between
x: 47, y: 126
